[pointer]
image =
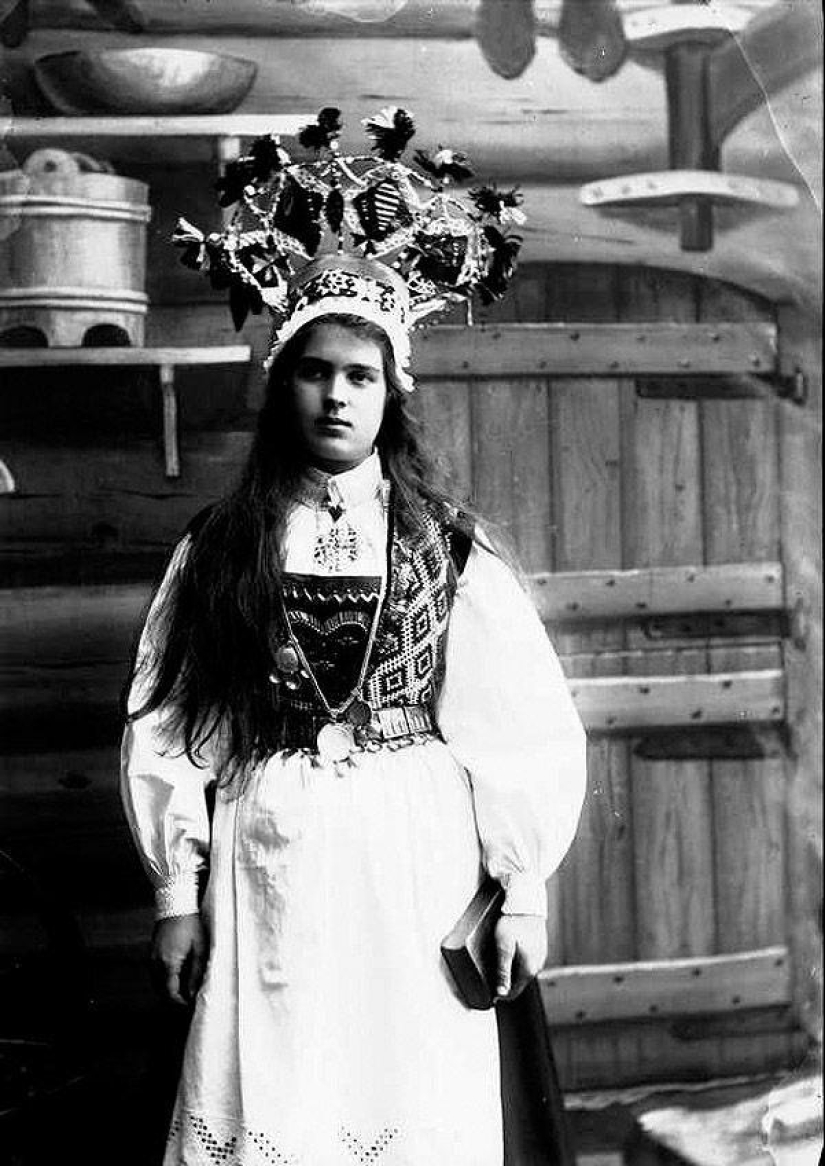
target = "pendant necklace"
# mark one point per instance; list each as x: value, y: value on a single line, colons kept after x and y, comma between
x: 341, y: 545
x: 336, y: 739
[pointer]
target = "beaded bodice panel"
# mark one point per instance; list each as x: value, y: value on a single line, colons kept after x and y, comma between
x: 408, y: 661
x: 331, y: 618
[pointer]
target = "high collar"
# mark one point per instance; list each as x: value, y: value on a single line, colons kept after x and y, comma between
x: 351, y: 487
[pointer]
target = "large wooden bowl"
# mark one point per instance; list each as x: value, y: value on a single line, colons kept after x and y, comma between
x: 148, y: 81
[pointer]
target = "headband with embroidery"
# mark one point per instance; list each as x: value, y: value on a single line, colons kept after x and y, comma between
x: 362, y: 234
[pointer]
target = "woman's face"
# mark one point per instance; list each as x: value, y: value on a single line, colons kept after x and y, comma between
x: 338, y: 394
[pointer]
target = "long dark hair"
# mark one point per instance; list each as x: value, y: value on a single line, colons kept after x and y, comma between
x: 210, y: 653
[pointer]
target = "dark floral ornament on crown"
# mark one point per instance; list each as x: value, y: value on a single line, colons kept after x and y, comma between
x: 289, y: 214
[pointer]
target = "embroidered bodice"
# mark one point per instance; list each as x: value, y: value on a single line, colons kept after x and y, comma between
x: 331, y: 618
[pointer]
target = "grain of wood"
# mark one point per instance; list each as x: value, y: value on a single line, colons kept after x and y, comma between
x: 801, y: 533
x: 597, y: 876
x: 637, y: 594
x: 511, y: 470
x: 450, y: 18
x: 583, y: 348
x: 662, y: 526
x: 621, y: 991
x: 116, y: 492
x: 741, y: 513
x: 741, y: 508
x: 63, y: 821
x: 444, y: 408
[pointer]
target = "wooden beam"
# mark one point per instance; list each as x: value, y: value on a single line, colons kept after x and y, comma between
x: 419, y: 18
x: 512, y: 131
x: 778, y: 46
x: 70, y: 623
x: 113, y: 129
x: 508, y: 131
x: 39, y: 698
x: 594, y: 349
x: 656, y: 988
x: 121, y: 357
x: 630, y: 703
x: 582, y: 595
x: 501, y: 350
x: 66, y: 625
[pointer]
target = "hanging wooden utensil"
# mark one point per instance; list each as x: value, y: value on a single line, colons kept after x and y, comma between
x: 591, y: 37
x: 506, y: 33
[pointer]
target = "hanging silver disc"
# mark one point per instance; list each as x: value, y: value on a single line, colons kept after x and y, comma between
x: 287, y: 659
x: 335, y: 741
x: 359, y: 713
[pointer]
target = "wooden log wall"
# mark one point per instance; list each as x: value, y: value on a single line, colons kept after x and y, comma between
x: 681, y: 853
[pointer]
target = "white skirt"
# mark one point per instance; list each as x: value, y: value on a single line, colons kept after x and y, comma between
x: 327, y: 1031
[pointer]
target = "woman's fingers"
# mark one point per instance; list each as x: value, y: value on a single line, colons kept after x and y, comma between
x: 521, y: 947
x: 178, y: 956
x: 506, y: 951
x: 173, y: 984
x: 194, y: 970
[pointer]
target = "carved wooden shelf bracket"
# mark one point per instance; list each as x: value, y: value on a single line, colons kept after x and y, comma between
x: 165, y: 360
x: 690, y: 37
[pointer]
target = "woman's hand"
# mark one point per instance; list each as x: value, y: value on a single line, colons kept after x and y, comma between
x: 179, y: 956
x: 521, y: 942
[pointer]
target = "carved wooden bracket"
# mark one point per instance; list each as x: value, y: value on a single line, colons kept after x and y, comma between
x: 670, y: 186
x: 693, y: 38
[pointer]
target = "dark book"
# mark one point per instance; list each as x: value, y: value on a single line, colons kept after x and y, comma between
x: 470, y: 951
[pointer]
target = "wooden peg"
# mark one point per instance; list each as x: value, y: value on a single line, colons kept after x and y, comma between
x: 171, y: 452
x: 689, y: 137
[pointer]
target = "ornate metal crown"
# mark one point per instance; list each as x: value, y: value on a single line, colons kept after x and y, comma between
x: 370, y: 206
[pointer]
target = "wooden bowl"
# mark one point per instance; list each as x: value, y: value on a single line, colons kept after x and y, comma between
x: 148, y: 81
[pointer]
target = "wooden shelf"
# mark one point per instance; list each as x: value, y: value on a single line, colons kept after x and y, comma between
x: 214, y: 138
x: 123, y: 357
x: 165, y: 360
x: 248, y: 125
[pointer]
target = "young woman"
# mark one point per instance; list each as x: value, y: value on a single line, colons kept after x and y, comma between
x: 338, y: 652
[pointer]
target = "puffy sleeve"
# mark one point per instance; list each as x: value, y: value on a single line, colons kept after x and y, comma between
x: 506, y: 714
x: 163, y: 792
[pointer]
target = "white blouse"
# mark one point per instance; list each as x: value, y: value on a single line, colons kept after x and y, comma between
x: 504, y: 712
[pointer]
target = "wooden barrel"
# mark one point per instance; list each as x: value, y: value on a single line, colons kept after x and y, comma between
x: 72, y: 253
